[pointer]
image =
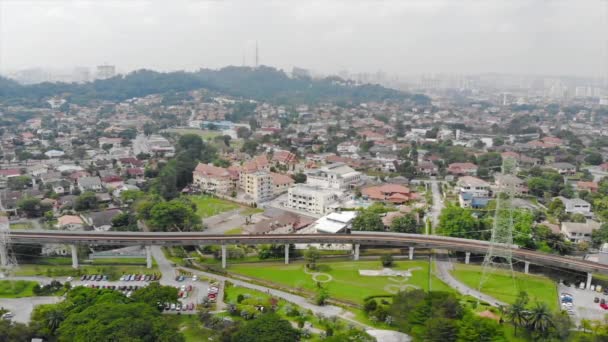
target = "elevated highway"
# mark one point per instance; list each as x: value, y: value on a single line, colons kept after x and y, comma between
x: 356, y: 238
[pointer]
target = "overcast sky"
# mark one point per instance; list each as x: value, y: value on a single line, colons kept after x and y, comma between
x: 400, y: 36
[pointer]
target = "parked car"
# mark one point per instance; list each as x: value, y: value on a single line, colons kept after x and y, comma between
x: 604, y: 306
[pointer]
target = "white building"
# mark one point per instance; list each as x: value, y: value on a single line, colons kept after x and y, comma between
x: 258, y: 185
x: 576, y: 206
x: 311, y: 199
x: 474, y: 186
x: 579, y: 232
x: 335, y: 222
x: 334, y: 176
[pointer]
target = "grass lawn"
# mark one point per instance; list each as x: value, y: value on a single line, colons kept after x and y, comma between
x: 16, y: 288
x: 251, y: 211
x: 234, y: 231
x: 500, y: 285
x: 21, y: 225
x: 346, y: 284
x: 191, y: 328
x: 207, y: 206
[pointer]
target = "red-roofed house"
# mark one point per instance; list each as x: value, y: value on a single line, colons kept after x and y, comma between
x: 285, y: 158
x: 259, y: 163
x: 461, y: 169
x: 6, y: 174
x: 589, y: 186
x: 280, y: 183
x: 393, y: 193
x: 211, y: 178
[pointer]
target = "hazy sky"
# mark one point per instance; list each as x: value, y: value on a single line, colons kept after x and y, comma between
x: 400, y: 36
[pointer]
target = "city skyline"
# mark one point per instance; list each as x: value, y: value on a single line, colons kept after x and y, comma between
x: 404, y: 38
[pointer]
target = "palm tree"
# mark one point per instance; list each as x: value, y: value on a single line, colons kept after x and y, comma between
x: 54, y: 319
x: 540, y: 318
x: 517, y: 315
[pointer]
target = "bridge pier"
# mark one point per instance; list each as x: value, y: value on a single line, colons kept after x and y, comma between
x: 526, y: 267
x: 467, y: 257
x: 356, y: 253
x: 589, y: 278
x: 223, y: 256
x: 148, y: 256
x: 3, y: 255
x: 411, y: 253
x: 286, y: 254
x: 74, y: 256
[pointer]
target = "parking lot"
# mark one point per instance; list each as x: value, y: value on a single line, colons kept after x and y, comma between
x: 583, y: 304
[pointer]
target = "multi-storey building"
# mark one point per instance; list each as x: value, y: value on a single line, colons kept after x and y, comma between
x: 334, y: 176
x: 211, y: 178
x: 312, y: 199
x: 258, y: 185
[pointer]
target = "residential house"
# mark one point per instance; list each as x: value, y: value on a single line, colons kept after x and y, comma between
x: 510, y: 181
x: 473, y: 192
x: 5, y: 174
x: 70, y: 222
x: 90, y: 184
x: 462, y: 169
x: 427, y: 168
x: 579, y: 232
x: 576, y: 206
x: 280, y: 183
x: 588, y: 186
x: 101, y: 220
x: 563, y: 168
x: 284, y: 158
x: 348, y: 147
x: 392, y: 193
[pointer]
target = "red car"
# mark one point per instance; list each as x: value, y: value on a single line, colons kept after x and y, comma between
x: 604, y: 306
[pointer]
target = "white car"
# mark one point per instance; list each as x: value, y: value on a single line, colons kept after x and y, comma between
x: 8, y: 315
x: 69, y: 279
x: 194, y: 278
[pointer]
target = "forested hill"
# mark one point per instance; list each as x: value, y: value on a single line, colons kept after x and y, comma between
x: 263, y: 83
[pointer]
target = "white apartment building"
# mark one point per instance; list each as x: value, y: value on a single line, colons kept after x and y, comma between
x: 474, y: 186
x: 337, y: 176
x: 311, y: 199
x: 258, y: 185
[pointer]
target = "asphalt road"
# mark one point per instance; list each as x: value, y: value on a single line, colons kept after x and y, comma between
x: 23, y: 307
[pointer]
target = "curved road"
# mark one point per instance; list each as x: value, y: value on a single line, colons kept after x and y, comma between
x: 364, y: 238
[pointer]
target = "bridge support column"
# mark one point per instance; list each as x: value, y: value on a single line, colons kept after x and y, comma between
x: 411, y: 253
x: 74, y: 256
x: 589, y: 278
x: 526, y: 267
x: 3, y: 255
x: 356, y: 253
x: 286, y: 254
x: 467, y: 257
x: 149, y: 256
x: 223, y: 256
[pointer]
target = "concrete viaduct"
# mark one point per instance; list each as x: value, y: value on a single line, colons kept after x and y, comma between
x: 399, y: 240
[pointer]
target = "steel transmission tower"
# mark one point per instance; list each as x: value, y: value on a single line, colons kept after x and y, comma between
x: 7, y: 259
x: 499, y: 254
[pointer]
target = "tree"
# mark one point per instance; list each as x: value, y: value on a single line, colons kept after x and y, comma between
x: 368, y: 220
x: 124, y: 222
x: 441, y: 330
x: 311, y: 255
x: 476, y: 329
x: 370, y: 305
x: 594, y: 158
x: 299, y: 177
x: 406, y: 224
x: 539, y: 319
x: 86, y: 201
x: 174, y: 215
x: 458, y: 222
x: 155, y: 293
x: 15, y: 332
x: 266, y: 327
x: 517, y: 315
x: 19, y: 182
x: 386, y: 260
x: 54, y: 319
x: 32, y: 206
x: 243, y: 133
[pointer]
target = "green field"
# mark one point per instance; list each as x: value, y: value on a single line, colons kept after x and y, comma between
x: 21, y: 225
x: 501, y: 286
x: 346, y: 283
x: 16, y: 288
x: 234, y: 231
x: 207, y: 206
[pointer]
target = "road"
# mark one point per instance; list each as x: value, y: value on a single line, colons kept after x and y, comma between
x: 221, y: 223
x: 437, y: 206
x: 23, y: 307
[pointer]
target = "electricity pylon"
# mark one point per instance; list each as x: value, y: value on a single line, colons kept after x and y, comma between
x: 499, y: 254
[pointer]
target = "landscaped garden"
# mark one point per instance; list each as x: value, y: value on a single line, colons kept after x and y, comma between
x: 501, y: 286
x: 16, y: 288
x: 342, y: 278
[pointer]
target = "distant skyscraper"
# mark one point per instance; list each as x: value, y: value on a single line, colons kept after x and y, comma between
x: 105, y: 71
x: 81, y: 75
x: 257, y: 56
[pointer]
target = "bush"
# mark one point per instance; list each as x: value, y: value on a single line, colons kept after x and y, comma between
x: 370, y: 305
x: 240, y: 298
x: 387, y: 260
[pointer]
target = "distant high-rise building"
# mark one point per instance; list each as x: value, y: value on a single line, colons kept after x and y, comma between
x: 81, y: 75
x: 105, y: 71
x: 257, y: 55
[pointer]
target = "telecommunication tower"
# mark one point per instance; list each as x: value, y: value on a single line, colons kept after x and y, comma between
x: 499, y: 254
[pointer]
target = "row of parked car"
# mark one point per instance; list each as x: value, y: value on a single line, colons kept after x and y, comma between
x: 214, y: 289
x: 179, y: 307
x: 567, y: 303
x: 184, y: 291
x: 139, y: 277
x: 181, y: 278
x: 94, y: 277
